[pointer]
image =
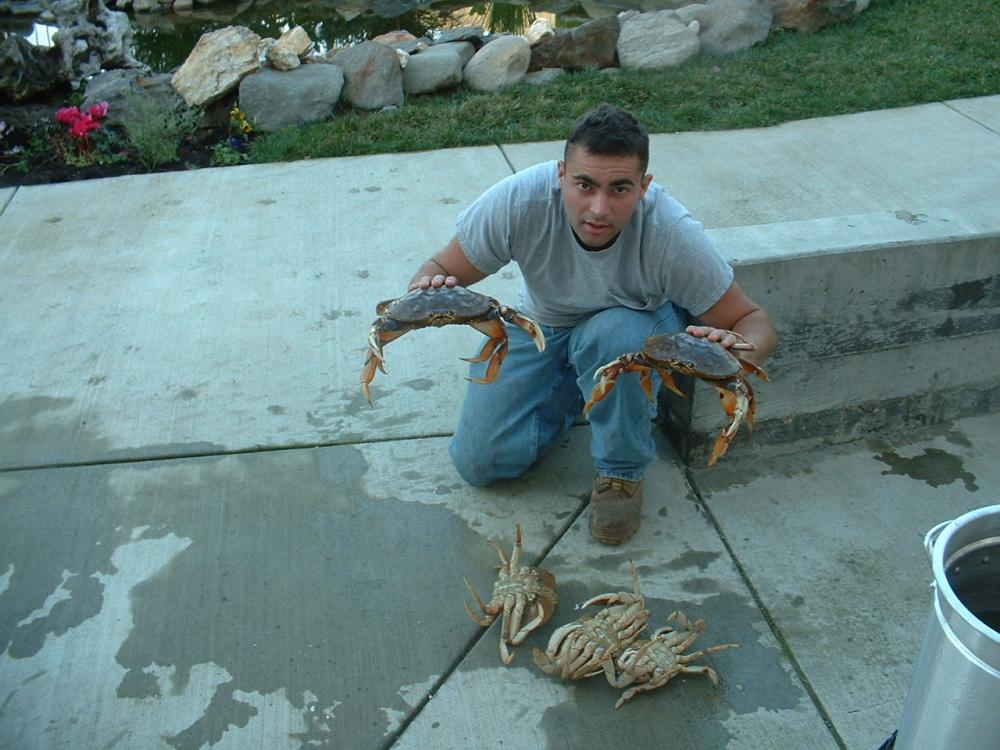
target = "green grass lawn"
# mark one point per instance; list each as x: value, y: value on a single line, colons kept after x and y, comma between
x: 896, y: 53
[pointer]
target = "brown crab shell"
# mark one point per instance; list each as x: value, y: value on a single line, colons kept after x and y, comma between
x: 438, y: 306
x: 692, y: 355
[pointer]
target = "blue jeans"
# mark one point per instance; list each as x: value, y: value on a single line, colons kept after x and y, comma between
x: 509, y: 424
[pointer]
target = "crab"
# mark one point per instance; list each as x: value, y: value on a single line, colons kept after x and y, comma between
x: 518, y: 593
x: 690, y: 355
x: 441, y: 306
x: 588, y: 646
x: 654, y: 662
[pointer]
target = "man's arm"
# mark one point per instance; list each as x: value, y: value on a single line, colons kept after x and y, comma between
x: 449, y: 267
x: 736, y: 313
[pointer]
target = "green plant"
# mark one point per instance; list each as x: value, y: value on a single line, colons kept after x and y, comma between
x: 226, y: 155
x: 156, y: 127
x: 233, y: 150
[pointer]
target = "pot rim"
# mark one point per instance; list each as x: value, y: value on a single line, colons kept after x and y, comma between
x: 937, y: 542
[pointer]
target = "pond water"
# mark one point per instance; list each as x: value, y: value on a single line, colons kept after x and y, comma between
x: 163, y: 40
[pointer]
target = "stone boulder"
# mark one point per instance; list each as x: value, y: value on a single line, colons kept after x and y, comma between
x: 90, y: 38
x: 121, y: 88
x: 26, y: 71
x: 813, y: 15
x: 473, y: 34
x: 372, y: 74
x: 729, y: 25
x: 465, y: 50
x: 501, y: 63
x: 217, y: 64
x: 274, y: 99
x: 655, y: 41
x: 435, y: 69
x: 288, y: 51
x: 590, y: 45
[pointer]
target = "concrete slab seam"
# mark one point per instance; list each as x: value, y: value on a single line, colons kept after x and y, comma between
x: 970, y: 117
x: 506, y: 158
x: 144, y: 458
x: 9, y: 199
x: 482, y: 633
x: 765, y: 612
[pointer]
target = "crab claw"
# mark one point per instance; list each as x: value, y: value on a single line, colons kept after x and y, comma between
x: 526, y: 324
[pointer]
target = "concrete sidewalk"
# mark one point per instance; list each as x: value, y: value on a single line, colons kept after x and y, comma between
x: 209, y: 539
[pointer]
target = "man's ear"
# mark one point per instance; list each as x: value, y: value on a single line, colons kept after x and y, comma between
x: 562, y: 169
x: 646, y: 181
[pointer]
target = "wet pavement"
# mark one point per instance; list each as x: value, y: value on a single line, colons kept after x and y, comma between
x: 209, y: 539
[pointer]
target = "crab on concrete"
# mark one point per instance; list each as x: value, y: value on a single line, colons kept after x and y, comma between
x: 589, y: 645
x: 519, y: 593
x: 689, y: 355
x: 441, y: 306
x: 653, y: 662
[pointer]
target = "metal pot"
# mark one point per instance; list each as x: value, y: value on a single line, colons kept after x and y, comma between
x: 954, y: 701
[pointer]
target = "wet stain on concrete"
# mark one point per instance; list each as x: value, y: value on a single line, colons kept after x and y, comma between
x: 276, y: 409
x: 285, y: 584
x: 934, y: 466
x: 187, y: 394
x: 693, y: 559
x: 336, y: 314
x: 418, y: 384
x: 968, y: 293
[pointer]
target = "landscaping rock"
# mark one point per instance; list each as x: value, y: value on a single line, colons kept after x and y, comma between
x: 402, y: 40
x: 372, y: 75
x: 273, y: 99
x: 435, y: 69
x: 541, y: 28
x: 813, y: 15
x: 121, y: 88
x: 538, y: 77
x: 590, y: 45
x: 26, y: 71
x: 729, y: 25
x: 91, y: 38
x: 501, y: 63
x: 473, y: 34
x: 217, y: 64
x: 655, y: 41
x: 465, y: 50
x: 288, y: 51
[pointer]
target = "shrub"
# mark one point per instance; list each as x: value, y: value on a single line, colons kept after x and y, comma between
x: 156, y: 126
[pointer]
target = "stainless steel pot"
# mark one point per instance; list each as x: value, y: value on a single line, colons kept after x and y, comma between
x: 954, y: 701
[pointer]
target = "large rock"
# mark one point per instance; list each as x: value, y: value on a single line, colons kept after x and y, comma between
x: 729, y: 25
x: 372, y: 74
x: 655, y: 41
x: 465, y: 50
x: 122, y: 88
x: 590, y: 45
x: 435, y: 69
x: 90, y: 38
x: 26, y: 71
x: 812, y: 15
x: 288, y: 51
x: 273, y: 99
x: 503, y: 62
x: 217, y: 64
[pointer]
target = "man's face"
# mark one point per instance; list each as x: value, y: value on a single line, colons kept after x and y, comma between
x: 600, y: 193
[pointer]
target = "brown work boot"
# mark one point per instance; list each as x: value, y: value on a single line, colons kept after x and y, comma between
x: 615, y: 509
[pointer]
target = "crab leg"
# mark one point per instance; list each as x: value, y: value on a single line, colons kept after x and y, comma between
x: 497, y: 345
x: 374, y: 359
x: 482, y: 621
x: 739, y: 404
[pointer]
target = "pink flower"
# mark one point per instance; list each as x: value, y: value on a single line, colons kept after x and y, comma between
x: 83, y: 126
x: 67, y: 115
x: 98, y: 111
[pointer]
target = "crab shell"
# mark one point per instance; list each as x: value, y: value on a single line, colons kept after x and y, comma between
x: 689, y: 355
x: 441, y: 306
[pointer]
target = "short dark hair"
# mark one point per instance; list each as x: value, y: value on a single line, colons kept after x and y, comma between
x: 607, y: 130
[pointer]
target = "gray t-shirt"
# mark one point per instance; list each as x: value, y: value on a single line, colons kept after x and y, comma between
x: 661, y: 255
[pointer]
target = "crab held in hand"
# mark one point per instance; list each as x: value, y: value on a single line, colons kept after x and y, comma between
x: 519, y: 593
x: 653, y: 662
x: 589, y: 645
x: 442, y: 306
x: 689, y: 355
